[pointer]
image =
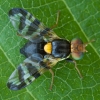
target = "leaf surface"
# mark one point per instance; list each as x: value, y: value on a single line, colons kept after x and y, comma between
x: 78, y: 18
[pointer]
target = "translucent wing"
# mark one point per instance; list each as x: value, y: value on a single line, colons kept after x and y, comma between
x: 27, y: 25
x: 27, y: 72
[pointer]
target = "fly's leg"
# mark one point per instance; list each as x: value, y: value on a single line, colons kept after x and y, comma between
x: 56, y: 21
x: 52, y: 80
x: 73, y: 61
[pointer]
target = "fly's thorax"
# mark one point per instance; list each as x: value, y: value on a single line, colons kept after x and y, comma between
x: 58, y: 48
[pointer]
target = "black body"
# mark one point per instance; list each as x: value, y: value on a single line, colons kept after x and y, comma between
x: 60, y: 48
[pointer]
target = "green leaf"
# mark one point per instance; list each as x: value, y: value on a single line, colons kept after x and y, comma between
x: 78, y: 18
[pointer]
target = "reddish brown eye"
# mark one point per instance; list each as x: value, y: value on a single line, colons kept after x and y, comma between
x: 77, y: 56
x: 76, y: 41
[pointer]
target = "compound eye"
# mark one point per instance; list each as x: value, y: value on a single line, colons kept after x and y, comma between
x: 77, y: 56
x: 76, y: 41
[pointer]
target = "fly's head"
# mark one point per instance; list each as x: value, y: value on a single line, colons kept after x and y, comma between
x: 78, y: 48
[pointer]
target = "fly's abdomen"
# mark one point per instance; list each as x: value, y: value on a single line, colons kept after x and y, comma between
x: 32, y: 48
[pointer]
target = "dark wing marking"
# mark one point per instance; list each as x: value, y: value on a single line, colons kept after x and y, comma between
x: 27, y: 25
x: 27, y: 72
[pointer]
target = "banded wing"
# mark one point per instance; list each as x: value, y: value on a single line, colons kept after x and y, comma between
x: 27, y: 72
x: 27, y: 25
